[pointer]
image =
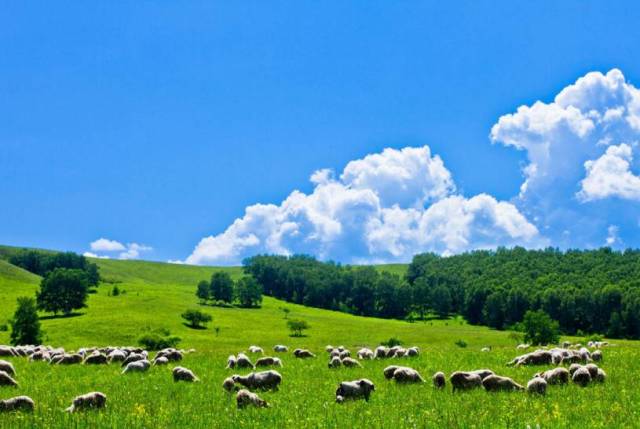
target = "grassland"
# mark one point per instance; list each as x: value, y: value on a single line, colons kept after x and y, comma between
x: 157, y: 293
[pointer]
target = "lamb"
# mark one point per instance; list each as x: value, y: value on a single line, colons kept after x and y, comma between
x: 350, y: 362
x: 96, y: 359
x: 89, y: 400
x: 255, y: 349
x: 137, y: 366
x: 245, y: 398
x: 355, y: 390
x: 7, y: 380
x: 280, y: 348
x: 465, y: 380
x: 494, y: 383
x: 7, y: 367
x: 160, y: 361
x: 581, y: 376
x: 303, y: 353
x: 335, y: 362
x: 243, y: 361
x: 228, y: 384
x: 555, y: 376
x: 183, y: 374
x: 259, y: 380
x: 407, y: 375
x: 365, y: 353
x: 19, y: 403
x: 596, y: 356
x: 537, y: 385
x: 269, y: 361
x: 439, y: 380
x: 231, y: 362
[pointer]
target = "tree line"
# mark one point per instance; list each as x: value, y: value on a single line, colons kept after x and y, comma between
x: 222, y: 290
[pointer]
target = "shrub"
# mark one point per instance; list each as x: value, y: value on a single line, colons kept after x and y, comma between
x: 158, y: 340
x: 196, y: 318
x: 25, y: 325
x: 461, y: 343
x: 392, y: 342
x: 296, y: 326
x: 115, y: 291
x: 4, y: 327
x: 539, y: 328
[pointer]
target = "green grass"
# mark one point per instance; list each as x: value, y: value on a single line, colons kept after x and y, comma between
x: 157, y: 293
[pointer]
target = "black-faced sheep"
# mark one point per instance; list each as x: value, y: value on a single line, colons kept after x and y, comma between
x: 494, y: 383
x: 461, y: 380
x: 245, y: 398
x: 7, y: 367
x: 183, y: 374
x: 355, y: 390
x: 303, y: 354
x: 93, y: 400
x: 7, y: 380
x: 537, y: 385
x: 259, y: 380
x: 268, y: 361
x: 137, y: 366
x: 19, y: 403
x: 439, y: 380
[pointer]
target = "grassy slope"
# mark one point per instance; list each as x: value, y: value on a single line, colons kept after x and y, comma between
x: 157, y: 293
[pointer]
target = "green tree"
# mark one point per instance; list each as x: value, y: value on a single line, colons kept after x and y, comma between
x: 203, y: 291
x: 441, y: 301
x: 539, y: 328
x: 63, y: 290
x: 221, y: 287
x: 296, y: 326
x: 248, y: 292
x: 196, y: 318
x: 494, y: 310
x: 25, y: 325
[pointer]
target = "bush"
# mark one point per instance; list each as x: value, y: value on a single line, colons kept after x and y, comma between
x: 4, y: 327
x: 461, y: 343
x: 115, y: 291
x: 296, y: 326
x: 158, y: 340
x: 392, y: 342
x: 25, y: 325
x: 539, y: 328
x: 196, y: 318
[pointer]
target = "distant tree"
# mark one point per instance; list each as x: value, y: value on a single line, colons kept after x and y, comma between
x: 196, y: 318
x: 203, y: 291
x: 296, y: 326
x: 25, y: 325
x: 616, y: 327
x: 540, y: 328
x: 221, y: 287
x: 248, y: 292
x: 115, y: 291
x: 441, y: 301
x: 421, y: 292
x: 286, y: 312
x: 63, y: 290
x: 494, y: 310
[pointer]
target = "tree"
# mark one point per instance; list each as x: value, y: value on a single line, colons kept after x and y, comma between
x: 539, y: 328
x: 441, y: 301
x: 221, y: 287
x: 63, y: 290
x: 203, y: 291
x: 196, y: 318
x: 248, y: 292
x: 494, y: 310
x: 296, y: 326
x: 25, y: 325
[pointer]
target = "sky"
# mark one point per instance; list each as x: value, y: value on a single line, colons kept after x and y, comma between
x: 205, y: 132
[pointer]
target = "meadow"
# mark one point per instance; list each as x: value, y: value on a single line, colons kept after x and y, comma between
x: 156, y: 294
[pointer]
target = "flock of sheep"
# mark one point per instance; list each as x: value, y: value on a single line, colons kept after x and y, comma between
x: 582, y: 370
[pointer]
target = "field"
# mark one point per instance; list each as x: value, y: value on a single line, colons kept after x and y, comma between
x: 157, y: 293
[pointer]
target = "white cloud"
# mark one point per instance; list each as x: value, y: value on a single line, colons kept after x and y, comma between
x: 613, y: 237
x: 610, y: 176
x: 93, y: 255
x: 106, y: 245
x: 374, y: 212
x: 134, y: 250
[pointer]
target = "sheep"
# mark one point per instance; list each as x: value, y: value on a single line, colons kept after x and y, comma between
x: 133, y: 357
x: 228, y: 384
x: 388, y: 371
x: 555, y: 376
x: 269, y: 361
x: 465, y: 380
x: 485, y: 349
x: 399, y: 352
x: 355, y: 390
x: 574, y: 367
x: 334, y: 353
x: 90, y: 400
x: 585, y: 354
x: 439, y: 380
x: 231, y: 362
x: 593, y: 369
x: 183, y: 374
x: 96, y: 359
x: 335, y: 362
x: 412, y: 351
x: 596, y: 356
x: 522, y: 346
x: 407, y: 375
x: 39, y: 356
x: 280, y: 348
x: 494, y: 383
x: 172, y: 355
x: 7, y: 367
x: 483, y: 373
x: 581, y: 376
x: 7, y: 380
x: 365, y: 353
x: 19, y: 403
x: 566, y: 344
x: 537, y: 385
x: 245, y: 398
x: 538, y: 357
x: 160, y: 361
x: 381, y: 352
x: 329, y: 348
x: 137, y: 366
x: 259, y: 380
x: 117, y: 356
x: 243, y: 361
x: 70, y: 359
x: 601, y: 376
x: 350, y: 362
x: 7, y: 351
x: 345, y: 354
x: 255, y: 349
x: 303, y: 354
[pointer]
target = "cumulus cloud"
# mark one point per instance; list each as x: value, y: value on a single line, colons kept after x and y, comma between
x: 610, y: 176
x: 106, y: 245
x: 383, y: 207
x: 94, y: 255
x: 122, y: 251
x: 613, y: 238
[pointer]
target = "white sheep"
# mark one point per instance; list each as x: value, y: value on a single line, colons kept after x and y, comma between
x: 90, y: 400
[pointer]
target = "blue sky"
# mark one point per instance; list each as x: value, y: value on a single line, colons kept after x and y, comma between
x: 157, y: 123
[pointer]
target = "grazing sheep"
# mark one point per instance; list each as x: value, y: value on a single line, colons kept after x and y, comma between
x: 381, y: 352
x: 461, y: 380
x: 537, y: 385
x: 303, y: 354
x: 365, y: 353
x: 483, y: 373
x: 407, y: 375
x: 355, y: 390
x: 412, y: 351
x: 439, y: 380
x: 133, y: 357
x: 555, y: 376
x: 538, y: 357
x: 601, y: 376
x: 96, y: 359
x: 280, y: 348
x: 228, y: 384
x: 243, y: 361
x: 19, y: 403
x: 68, y: 359
x: 329, y: 348
x: 183, y: 374
x: 160, y: 361
x: 350, y: 363
x: 245, y: 398
x: 39, y: 356
x: 117, y: 356
x: 596, y: 356
x: 485, y: 349
x: 334, y: 353
x: 7, y: 351
x: 399, y: 352
x: 255, y: 349
x: 335, y: 362
x: 593, y: 369
x: 345, y: 354
x: 7, y: 367
x: 574, y: 367
x: 172, y: 355
x: 137, y: 366
x: 6, y: 380
x: 581, y: 376
x: 231, y: 362
x: 388, y: 371
x: 90, y: 400
x: 269, y: 361
x: 494, y: 383
x: 259, y: 380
